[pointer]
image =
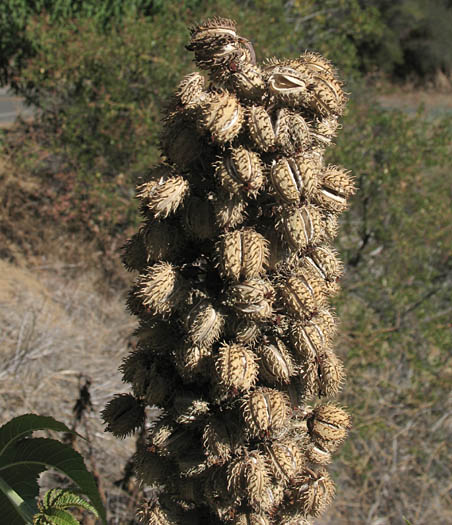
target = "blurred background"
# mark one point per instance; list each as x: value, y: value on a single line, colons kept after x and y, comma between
x: 88, y: 79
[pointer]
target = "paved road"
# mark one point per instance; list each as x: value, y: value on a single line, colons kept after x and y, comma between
x: 10, y: 107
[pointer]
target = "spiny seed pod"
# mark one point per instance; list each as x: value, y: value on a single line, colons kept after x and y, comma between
x: 324, y: 376
x: 335, y: 187
x: 212, y: 30
x: 236, y: 367
x: 303, y: 295
x: 317, y: 453
x: 222, y: 438
x: 327, y: 96
x: 229, y: 210
x: 190, y: 91
x: 292, y: 132
x: 240, y: 170
x: 324, y: 130
x: 275, y: 362
x: 247, y: 81
x: 285, y: 459
x: 253, y: 298
x: 317, y: 63
x: 294, y: 178
x: 261, y: 128
x: 244, y: 331
x: 123, y: 415
x: 242, y: 254
x: 152, y: 468
x: 329, y: 424
x: 204, y: 323
x: 314, y: 491
x: 249, y: 475
x: 324, y: 261
x: 302, y: 227
x: 192, y: 361
x: 162, y: 195
x: 222, y: 116
x: 161, y: 288
x: 152, y: 513
x: 288, y: 85
x: 265, y: 410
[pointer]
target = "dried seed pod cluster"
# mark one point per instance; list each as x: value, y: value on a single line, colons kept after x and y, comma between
x: 235, y: 268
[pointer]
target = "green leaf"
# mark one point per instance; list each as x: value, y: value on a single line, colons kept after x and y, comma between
x: 54, y: 516
x: 14, y: 510
x: 49, y: 453
x: 63, y: 499
x: 23, y: 426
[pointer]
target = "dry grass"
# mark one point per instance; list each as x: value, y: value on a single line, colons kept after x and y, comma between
x: 57, y: 331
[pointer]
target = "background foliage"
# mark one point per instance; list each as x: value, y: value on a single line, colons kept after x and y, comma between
x: 98, y: 74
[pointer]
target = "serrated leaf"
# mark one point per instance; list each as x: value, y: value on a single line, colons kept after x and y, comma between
x: 23, y: 426
x: 50, y: 453
x: 63, y: 499
x: 55, y: 517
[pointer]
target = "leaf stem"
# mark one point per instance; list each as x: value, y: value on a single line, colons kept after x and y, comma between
x: 22, y: 507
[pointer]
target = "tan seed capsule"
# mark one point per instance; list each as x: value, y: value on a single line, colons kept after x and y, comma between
x: 253, y: 298
x: 191, y: 89
x: 193, y: 361
x: 161, y: 288
x: 285, y: 459
x: 229, y: 210
x: 317, y: 453
x: 315, y: 62
x: 188, y: 407
x: 222, y: 116
x: 247, y: 81
x: 261, y: 128
x: 212, y: 29
x: 324, y: 376
x: 249, y: 475
x: 236, y: 367
x: 310, y: 339
x: 335, y: 187
x: 244, y: 331
x: 152, y: 513
x: 199, y: 218
x: 324, y: 130
x: 329, y: 424
x: 288, y: 85
x: 181, y: 143
x: 250, y: 519
x: 302, y: 227
x: 294, y: 178
x: 303, y: 295
x: 314, y: 491
x: 265, y: 410
x: 275, y: 363
x: 325, y: 262
x: 327, y: 97
x: 162, y: 193
x: 242, y: 254
x: 240, y: 170
x: 292, y: 132
x: 204, y: 323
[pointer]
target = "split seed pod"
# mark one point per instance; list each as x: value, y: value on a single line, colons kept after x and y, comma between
x: 275, y: 363
x: 324, y: 376
x: 162, y: 193
x: 236, y: 367
x: 222, y: 437
x: 324, y: 261
x: 288, y: 85
x: 190, y: 91
x: 247, y: 81
x: 314, y: 491
x: 292, y: 132
x: 294, y: 178
x: 242, y: 254
x: 285, y: 459
x: 336, y: 186
x: 261, y: 128
x: 303, y: 295
x: 327, y: 97
x: 229, y: 210
x: 222, y: 116
x: 265, y: 410
x: 249, y: 475
x: 311, y: 338
x: 193, y: 361
x: 199, y: 218
x: 329, y: 425
x: 302, y: 227
x: 240, y: 170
